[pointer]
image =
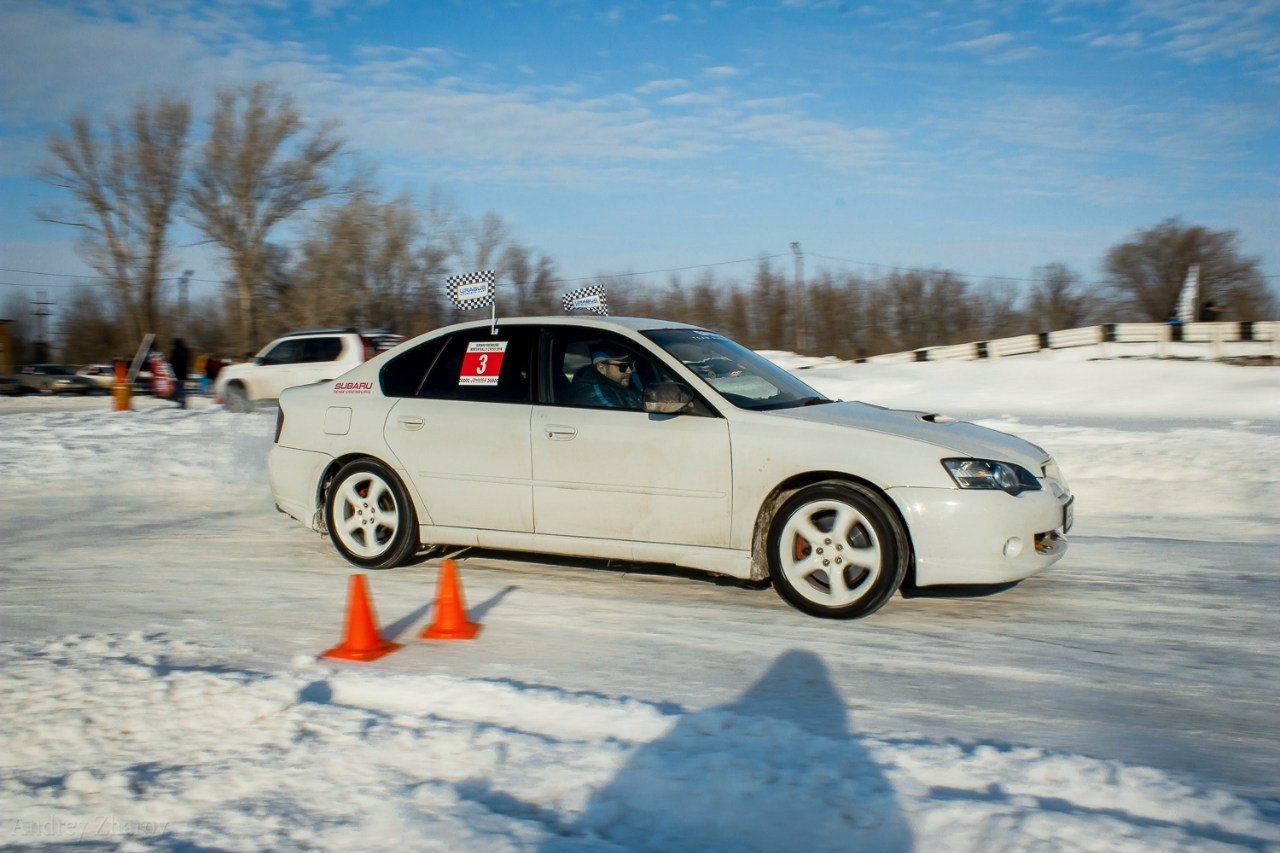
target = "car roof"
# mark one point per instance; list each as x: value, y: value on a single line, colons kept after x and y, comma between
x: 635, y: 324
x: 349, y: 330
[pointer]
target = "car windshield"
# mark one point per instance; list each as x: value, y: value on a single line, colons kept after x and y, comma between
x: 744, y: 378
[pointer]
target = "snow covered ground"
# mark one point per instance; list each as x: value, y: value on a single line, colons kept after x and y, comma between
x: 160, y: 622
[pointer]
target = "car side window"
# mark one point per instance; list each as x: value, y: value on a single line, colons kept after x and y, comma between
x: 285, y: 352
x: 321, y: 349
x: 574, y: 379
x: 481, y: 366
x: 402, y: 376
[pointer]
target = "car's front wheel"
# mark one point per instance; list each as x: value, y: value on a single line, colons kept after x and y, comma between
x: 237, y: 399
x: 370, y: 518
x: 837, y: 550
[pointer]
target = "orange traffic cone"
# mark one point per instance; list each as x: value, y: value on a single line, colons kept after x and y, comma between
x: 362, y: 642
x: 451, y: 614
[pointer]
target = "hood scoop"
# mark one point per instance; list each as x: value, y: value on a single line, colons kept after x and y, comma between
x: 935, y: 418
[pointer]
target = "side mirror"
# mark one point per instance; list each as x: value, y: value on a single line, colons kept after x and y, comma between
x: 667, y: 398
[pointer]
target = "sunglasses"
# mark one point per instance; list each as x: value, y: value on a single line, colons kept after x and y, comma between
x: 624, y: 366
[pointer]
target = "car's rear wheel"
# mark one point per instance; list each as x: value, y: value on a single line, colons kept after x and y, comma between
x: 237, y: 398
x: 837, y: 550
x: 370, y: 518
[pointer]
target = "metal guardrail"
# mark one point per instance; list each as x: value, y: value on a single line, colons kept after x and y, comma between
x: 1209, y: 341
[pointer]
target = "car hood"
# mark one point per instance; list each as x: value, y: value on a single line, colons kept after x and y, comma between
x: 960, y: 437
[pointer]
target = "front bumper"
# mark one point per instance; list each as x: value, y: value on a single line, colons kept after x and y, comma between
x: 982, y: 537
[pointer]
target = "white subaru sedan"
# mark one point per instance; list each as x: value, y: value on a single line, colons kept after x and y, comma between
x: 659, y: 442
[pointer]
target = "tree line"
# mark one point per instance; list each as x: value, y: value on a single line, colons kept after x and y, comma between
x: 309, y: 241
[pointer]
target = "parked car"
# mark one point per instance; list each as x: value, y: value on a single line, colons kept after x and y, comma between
x: 297, y: 358
x: 54, y: 379
x: 9, y: 385
x: 477, y: 434
x: 102, y: 375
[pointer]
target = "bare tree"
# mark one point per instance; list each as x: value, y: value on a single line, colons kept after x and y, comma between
x: 124, y: 189
x: 1056, y: 301
x: 22, y: 333
x: 261, y: 165
x: 774, y: 305
x: 996, y: 310
x: 737, y: 314
x: 93, y: 332
x: 360, y: 265
x: 532, y: 278
x: 842, y: 322
x: 1147, y: 272
x: 926, y: 307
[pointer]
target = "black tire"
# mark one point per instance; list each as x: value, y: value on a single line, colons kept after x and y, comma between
x: 837, y: 550
x: 236, y: 398
x: 369, y: 515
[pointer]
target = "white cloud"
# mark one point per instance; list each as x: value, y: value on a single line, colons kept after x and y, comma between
x: 688, y: 99
x: 1198, y: 31
x: 1118, y: 40
x: 833, y: 145
x: 985, y: 44
x: 721, y: 71
x: 654, y: 86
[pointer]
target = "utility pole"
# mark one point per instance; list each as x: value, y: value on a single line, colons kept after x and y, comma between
x: 182, y: 302
x: 801, y: 302
x: 40, y: 312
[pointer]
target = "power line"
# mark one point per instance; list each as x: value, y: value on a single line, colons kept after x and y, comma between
x: 95, y: 278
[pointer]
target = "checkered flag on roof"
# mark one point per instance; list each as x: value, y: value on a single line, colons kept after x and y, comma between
x: 471, y: 290
x: 589, y: 298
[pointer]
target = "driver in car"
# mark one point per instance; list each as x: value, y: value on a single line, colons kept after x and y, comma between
x: 607, y: 382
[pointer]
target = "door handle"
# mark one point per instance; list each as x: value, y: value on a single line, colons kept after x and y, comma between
x: 411, y: 422
x: 560, y: 432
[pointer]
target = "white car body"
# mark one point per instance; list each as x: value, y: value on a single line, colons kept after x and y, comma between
x: 299, y: 358
x: 102, y: 375
x: 699, y: 489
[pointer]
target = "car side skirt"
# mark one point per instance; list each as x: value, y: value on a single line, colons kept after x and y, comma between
x: 720, y: 561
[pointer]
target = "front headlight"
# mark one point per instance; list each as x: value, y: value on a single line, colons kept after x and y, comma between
x: 989, y: 474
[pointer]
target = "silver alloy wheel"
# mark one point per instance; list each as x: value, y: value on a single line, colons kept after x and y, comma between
x: 370, y: 518
x: 830, y: 553
x: 365, y: 515
x: 837, y: 549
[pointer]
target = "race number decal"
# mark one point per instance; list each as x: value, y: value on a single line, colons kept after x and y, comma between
x: 482, y: 363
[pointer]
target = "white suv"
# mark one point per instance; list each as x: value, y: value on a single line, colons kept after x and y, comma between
x: 298, y: 358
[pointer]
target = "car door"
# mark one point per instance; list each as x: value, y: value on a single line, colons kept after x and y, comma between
x: 297, y: 361
x: 462, y: 431
x: 273, y: 367
x: 624, y: 474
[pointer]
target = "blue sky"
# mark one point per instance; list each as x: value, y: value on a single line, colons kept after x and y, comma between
x: 988, y: 138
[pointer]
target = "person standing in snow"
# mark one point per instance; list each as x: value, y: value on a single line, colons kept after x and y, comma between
x: 179, y: 359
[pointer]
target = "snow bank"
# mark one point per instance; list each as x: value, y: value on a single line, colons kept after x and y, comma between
x: 151, y: 742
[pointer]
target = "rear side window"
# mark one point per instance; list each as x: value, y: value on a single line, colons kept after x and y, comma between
x: 321, y: 349
x: 479, y: 366
x: 402, y: 376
